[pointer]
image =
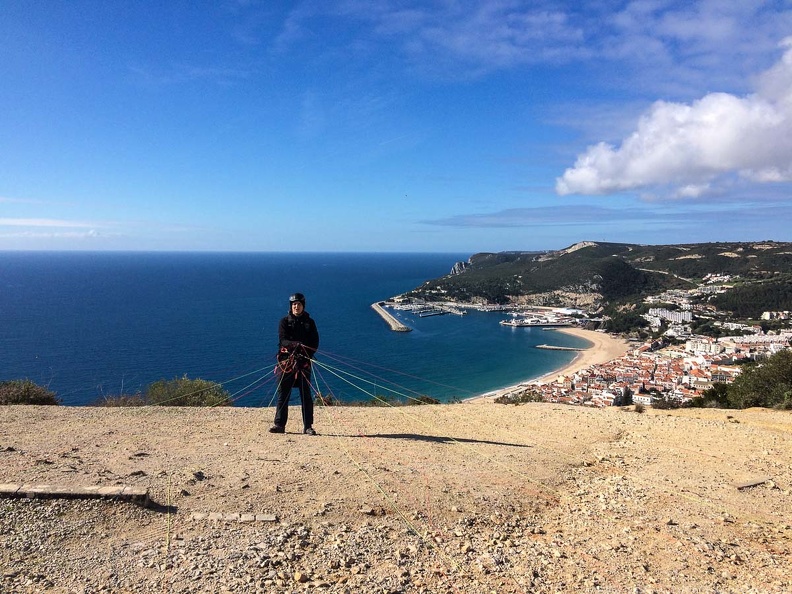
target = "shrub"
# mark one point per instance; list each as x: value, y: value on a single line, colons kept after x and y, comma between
x: 639, y: 407
x: 765, y: 384
x: 519, y: 397
x: 716, y: 396
x: 382, y: 400
x: 187, y: 392
x: 787, y: 402
x: 665, y: 403
x: 327, y: 400
x: 423, y: 400
x: 25, y: 392
x: 376, y: 400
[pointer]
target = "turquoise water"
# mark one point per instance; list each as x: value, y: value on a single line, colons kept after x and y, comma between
x: 90, y: 325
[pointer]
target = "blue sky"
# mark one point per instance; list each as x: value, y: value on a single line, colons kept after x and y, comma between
x: 377, y: 125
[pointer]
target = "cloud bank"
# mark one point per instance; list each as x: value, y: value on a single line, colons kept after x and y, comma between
x: 689, y: 148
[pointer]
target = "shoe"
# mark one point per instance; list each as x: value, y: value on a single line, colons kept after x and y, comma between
x: 277, y: 429
x: 310, y: 431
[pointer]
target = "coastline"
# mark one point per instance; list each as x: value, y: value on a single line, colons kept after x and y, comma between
x: 603, y: 348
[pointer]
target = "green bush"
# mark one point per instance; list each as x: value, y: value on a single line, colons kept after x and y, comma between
x: 767, y: 384
x: 716, y: 396
x: 376, y: 400
x: 187, y: 392
x: 381, y: 400
x: 423, y: 400
x: 327, y: 400
x: 665, y: 403
x: 519, y: 397
x: 25, y: 392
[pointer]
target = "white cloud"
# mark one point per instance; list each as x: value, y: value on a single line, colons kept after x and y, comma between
x: 688, y: 146
x: 91, y: 234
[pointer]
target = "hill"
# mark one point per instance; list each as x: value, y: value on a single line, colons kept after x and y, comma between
x: 593, y: 274
x: 472, y: 497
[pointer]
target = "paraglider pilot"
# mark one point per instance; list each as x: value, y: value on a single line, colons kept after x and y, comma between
x: 298, y: 340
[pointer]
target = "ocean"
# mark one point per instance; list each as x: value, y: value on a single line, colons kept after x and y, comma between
x: 93, y: 325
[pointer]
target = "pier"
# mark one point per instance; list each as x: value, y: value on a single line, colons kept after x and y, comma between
x: 394, y: 324
x: 550, y: 347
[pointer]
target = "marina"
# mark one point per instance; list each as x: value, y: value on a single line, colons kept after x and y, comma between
x: 520, y: 317
x: 425, y: 310
x: 394, y: 324
x: 535, y: 322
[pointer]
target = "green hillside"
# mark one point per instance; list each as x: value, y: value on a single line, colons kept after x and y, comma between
x: 593, y: 274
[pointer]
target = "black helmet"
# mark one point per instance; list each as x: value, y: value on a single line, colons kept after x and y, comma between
x: 297, y: 297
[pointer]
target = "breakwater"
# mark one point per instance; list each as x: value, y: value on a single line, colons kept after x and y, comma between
x: 550, y: 347
x: 394, y: 324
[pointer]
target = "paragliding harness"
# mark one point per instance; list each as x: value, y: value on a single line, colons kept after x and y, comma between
x: 290, y: 361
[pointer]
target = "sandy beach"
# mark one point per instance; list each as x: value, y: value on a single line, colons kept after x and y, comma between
x: 604, y: 347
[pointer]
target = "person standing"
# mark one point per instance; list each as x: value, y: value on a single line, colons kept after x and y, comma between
x: 298, y: 340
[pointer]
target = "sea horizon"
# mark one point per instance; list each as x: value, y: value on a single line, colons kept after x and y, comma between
x: 90, y: 325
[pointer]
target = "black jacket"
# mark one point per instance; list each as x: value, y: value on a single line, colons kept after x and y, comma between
x: 298, y: 334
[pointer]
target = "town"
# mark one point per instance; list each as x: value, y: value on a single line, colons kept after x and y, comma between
x: 678, y: 365
x: 650, y: 373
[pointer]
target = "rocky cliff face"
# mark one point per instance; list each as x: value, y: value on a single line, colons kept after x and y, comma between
x: 460, y: 267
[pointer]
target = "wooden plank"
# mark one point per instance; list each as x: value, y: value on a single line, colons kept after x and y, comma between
x: 32, y: 491
x: 7, y: 489
x: 752, y: 482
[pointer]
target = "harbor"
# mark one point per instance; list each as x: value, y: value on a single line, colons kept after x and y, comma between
x: 422, y: 310
x: 425, y: 310
x: 394, y: 324
x: 545, y: 318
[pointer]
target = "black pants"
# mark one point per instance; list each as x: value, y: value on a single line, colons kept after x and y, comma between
x: 301, y: 378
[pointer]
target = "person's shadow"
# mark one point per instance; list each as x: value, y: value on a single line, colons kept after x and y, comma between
x: 439, y: 439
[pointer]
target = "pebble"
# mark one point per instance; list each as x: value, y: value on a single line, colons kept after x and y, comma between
x: 62, y: 544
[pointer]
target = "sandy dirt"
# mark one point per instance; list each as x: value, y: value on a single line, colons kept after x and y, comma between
x: 469, y: 497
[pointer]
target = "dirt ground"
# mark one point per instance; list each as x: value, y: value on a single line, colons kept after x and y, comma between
x: 470, y: 497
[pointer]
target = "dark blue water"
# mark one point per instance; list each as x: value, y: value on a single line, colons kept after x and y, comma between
x: 90, y: 325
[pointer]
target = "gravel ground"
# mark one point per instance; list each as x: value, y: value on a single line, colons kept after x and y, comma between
x: 472, y: 497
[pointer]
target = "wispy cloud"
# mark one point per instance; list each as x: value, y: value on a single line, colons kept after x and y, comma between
x: 180, y: 73
x: 690, y: 147
x: 91, y: 234
x: 17, y: 222
x: 721, y: 41
x: 529, y: 217
x: 602, y: 216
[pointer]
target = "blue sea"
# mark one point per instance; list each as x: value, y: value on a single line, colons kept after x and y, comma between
x: 92, y: 325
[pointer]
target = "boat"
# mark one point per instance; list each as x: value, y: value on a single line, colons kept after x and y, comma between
x: 435, y: 311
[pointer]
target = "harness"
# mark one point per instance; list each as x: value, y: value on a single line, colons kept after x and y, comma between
x: 293, y: 360
x: 289, y: 361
